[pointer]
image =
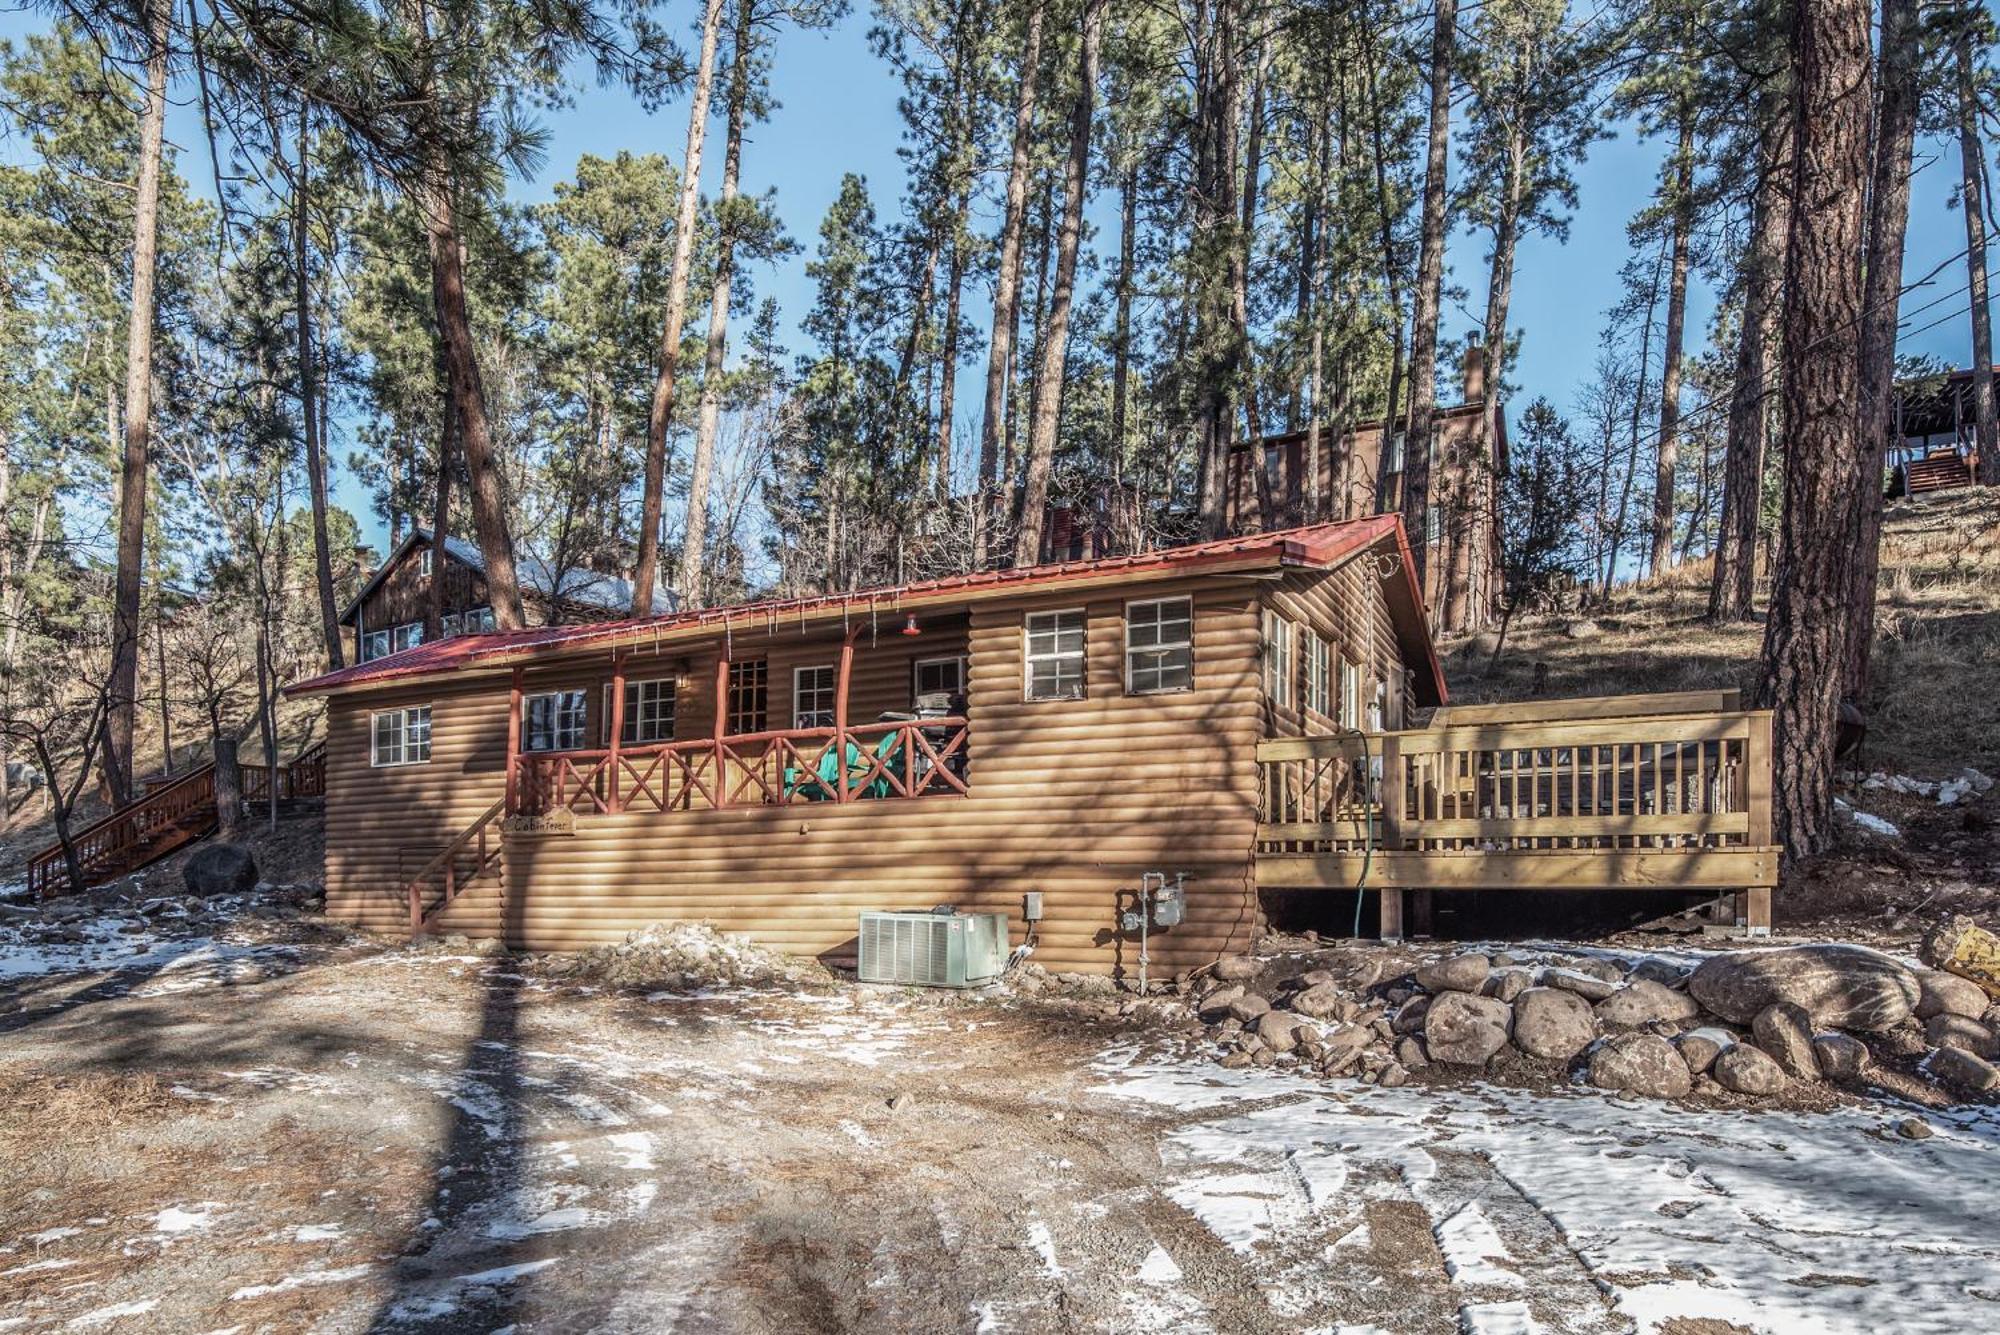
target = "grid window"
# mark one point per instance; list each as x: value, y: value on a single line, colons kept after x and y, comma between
x: 1159, y: 646
x: 1055, y: 659
x: 409, y: 635
x: 375, y: 644
x: 749, y: 696
x: 1280, y: 654
x: 478, y: 620
x: 424, y: 562
x: 1317, y: 667
x: 812, y: 697
x: 649, y: 712
x: 400, y: 736
x: 938, y: 676
x: 1350, y: 693
x: 553, y: 721
x: 451, y: 624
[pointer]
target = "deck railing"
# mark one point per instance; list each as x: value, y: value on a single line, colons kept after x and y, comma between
x: 916, y: 758
x: 1670, y: 781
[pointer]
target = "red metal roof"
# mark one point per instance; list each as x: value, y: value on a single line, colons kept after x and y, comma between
x: 1317, y: 545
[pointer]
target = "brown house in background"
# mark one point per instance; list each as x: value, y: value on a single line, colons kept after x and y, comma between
x: 1462, y: 585
x: 388, y: 615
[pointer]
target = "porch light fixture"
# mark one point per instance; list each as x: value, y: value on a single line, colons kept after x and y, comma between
x: 910, y: 626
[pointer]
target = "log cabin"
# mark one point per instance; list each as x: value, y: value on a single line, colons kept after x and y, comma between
x: 389, y: 612
x: 1241, y: 713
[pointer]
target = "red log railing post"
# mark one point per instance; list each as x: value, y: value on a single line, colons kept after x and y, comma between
x: 617, y: 727
x: 721, y: 778
x: 514, y: 744
x: 840, y: 684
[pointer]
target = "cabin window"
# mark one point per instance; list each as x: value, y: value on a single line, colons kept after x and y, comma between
x: 1433, y: 525
x: 553, y: 721
x: 1318, y: 667
x: 1394, y: 462
x: 1280, y: 653
x: 1054, y: 655
x: 478, y: 620
x: 749, y: 696
x: 937, y: 676
x: 424, y: 563
x: 400, y: 736
x: 649, y: 712
x: 812, y: 697
x: 1159, y: 646
x: 450, y: 624
x: 375, y: 644
x: 409, y: 635
x: 1350, y: 693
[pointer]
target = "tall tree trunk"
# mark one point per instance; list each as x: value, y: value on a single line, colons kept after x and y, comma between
x: 467, y: 394
x: 1972, y: 196
x: 1239, y: 292
x: 1631, y: 471
x: 1055, y: 338
x: 646, y: 571
x: 1474, y: 591
x: 1897, y: 76
x: 1121, y: 324
x: 1007, y: 288
x: 1805, y: 637
x: 329, y: 611
x: 1733, y: 583
x: 954, y: 295
x: 1218, y: 94
x: 124, y: 684
x: 1392, y: 412
x: 1430, y: 279
x: 694, y: 538
x: 1670, y: 364
x: 440, y: 527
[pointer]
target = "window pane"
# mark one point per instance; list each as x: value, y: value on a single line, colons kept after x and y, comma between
x: 649, y: 711
x: 389, y: 738
x: 418, y: 733
x: 812, y: 697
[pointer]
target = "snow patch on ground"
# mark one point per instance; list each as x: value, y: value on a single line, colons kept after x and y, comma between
x: 305, y: 1278
x: 1777, y: 1221
x: 1471, y: 1246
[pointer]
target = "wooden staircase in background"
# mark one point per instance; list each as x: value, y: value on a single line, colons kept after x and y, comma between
x: 173, y: 814
x: 1938, y: 472
x: 475, y: 853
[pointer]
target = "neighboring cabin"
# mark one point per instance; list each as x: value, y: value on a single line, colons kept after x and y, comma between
x: 388, y: 615
x: 1239, y: 712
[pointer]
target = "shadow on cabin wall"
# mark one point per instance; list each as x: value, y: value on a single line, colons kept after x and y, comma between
x: 1484, y: 915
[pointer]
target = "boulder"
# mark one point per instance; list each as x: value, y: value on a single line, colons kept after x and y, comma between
x: 1657, y: 970
x: 1248, y: 1007
x: 1785, y: 1031
x: 1838, y: 987
x: 220, y: 869
x: 1507, y: 984
x: 1955, y: 1031
x: 1410, y: 1053
x: 1700, y: 1048
x: 1552, y: 1024
x: 1962, y: 1070
x: 1235, y: 968
x: 1393, y: 1077
x: 1280, y: 1030
x: 1588, y: 986
x: 1457, y: 973
x: 1640, y: 1063
x: 1318, y: 1001
x: 1947, y: 994
x: 1216, y: 1004
x: 1410, y: 1016
x: 1914, y: 1128
x: 1905, y: 1040
x: 1466, y: 1030
x: 1841, y: 1057
x: 1747, y: 1070
x: 1645, y: 1002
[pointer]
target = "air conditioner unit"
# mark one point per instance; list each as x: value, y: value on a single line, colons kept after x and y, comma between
x: 933, y: 948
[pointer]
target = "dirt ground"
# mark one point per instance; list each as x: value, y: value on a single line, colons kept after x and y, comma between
x: 276, y: 1127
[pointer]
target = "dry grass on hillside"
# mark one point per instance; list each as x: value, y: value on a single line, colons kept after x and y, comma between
x: 1935, y: 701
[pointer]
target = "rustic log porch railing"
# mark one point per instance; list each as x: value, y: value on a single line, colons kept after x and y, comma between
x: 916, y: 758
x: 1666, y: 801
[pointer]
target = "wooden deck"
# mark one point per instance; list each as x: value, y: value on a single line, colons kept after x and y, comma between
x: 1669, y: 792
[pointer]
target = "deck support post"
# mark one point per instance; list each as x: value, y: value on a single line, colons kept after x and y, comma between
x: 1392, y: 915
x: 721, y: 726
x: 616, y: 727
x: 514, y: 744
x: 840, y: 684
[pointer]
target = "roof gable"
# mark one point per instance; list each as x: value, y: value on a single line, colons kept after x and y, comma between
x: 606, y: 592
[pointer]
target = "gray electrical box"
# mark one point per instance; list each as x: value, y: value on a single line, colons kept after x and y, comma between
x: 1031, y: 906
x: 933, y: 948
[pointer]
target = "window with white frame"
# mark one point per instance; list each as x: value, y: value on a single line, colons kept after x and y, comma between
x: 553, y: 721
x: 1317, y: 668
x: 1350, y: 693
x: 812, y: 697
x: 450, y: 624
x: 1280, y: 655
x: 1159, y: 646
x: 424, y: 563
x: 375, y: 644
x: 478, y: 620
x: 649, y: 712
x: 937, y: 676
x: 400, y: 736
x: 1054, y: 655
x: 409, y: 635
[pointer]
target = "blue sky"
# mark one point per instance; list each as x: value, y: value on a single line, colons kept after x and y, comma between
x: 837, y: 114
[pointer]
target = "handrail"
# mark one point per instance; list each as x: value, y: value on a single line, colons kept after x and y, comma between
x: 447, y: 861
x: 1580, y: 708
